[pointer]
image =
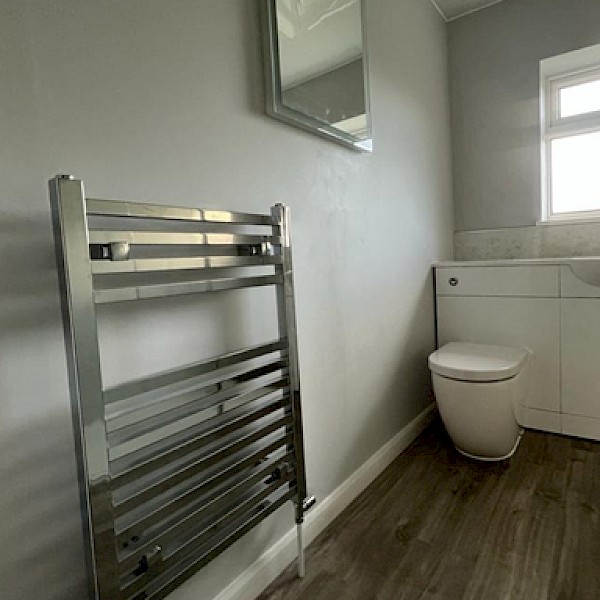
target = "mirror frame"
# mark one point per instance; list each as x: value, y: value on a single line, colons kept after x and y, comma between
x: 274, y: 103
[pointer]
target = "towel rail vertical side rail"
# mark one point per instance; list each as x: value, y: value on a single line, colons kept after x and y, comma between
x: 85, y: 383
x: 287, y: 329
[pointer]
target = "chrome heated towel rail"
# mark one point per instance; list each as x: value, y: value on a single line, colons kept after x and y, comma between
x: 176, y: 466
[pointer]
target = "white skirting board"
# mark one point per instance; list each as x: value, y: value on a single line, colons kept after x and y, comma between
x: 260, y: 574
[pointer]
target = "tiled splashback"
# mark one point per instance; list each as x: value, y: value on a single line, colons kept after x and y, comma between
x: 544, y: 241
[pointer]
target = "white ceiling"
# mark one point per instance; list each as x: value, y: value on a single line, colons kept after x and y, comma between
x: 453, y: 9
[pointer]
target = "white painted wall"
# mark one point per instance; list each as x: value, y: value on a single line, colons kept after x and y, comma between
x: 163, y: 101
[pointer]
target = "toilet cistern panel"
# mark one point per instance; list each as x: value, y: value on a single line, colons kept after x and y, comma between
x: 513, y: 306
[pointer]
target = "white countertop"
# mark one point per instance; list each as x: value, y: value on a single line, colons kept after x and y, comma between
x: 516, y: 262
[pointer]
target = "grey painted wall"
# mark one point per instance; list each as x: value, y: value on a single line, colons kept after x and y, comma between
x: 163, y: 101
x: 494, y: 74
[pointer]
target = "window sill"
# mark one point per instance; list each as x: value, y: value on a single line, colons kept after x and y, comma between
x: 588, y: 220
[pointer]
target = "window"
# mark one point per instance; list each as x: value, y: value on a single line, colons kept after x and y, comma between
x: 570, y: 109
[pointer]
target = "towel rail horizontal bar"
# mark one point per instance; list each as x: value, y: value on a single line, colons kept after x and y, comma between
x: 148, y: 265
x: 146, y: 292
x: 196, y: 563
x: 174, y: 580
x: 181, y: 474
x: 200, y: 393
x: 236, y: 512
x: 116, y: 208
x: 159, y: 443
x: 150, y: 518
x: 175, y: 376
x: 164, y: 531
x: 199, y: 515
x: 195, y: 442
x: 168, y: 238
x: 167, y: 418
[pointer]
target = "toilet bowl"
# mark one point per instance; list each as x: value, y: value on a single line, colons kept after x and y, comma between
x: 478, y: 388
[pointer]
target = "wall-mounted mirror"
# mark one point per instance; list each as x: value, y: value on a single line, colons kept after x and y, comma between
x: 316, y: 68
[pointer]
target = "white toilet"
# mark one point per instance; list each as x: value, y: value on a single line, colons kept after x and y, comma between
x: 478, y: 389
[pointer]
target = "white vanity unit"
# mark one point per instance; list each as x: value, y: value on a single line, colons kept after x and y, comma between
x: 549, y: 306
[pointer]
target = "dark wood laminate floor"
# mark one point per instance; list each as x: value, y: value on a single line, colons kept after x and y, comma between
x: 438, y: 526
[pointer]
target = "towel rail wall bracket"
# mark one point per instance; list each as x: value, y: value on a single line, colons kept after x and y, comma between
x: 176, y: 466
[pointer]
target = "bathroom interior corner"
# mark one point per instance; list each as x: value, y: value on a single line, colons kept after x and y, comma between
x: 408, y: 410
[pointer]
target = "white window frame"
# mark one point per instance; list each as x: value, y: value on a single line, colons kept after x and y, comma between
x: 566, y: 70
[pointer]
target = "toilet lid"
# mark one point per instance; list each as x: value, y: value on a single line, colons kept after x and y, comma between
x: 477, y: 362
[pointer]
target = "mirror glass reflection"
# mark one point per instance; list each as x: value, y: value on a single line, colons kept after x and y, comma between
x: 322, y: 72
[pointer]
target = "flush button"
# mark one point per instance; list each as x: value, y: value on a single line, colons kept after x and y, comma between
x: 453, y: 281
